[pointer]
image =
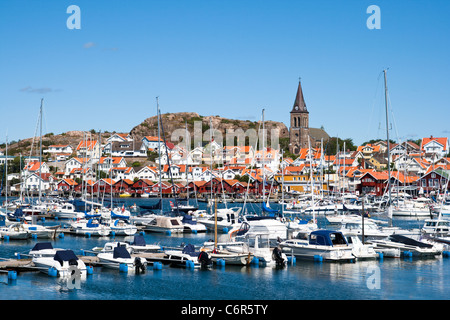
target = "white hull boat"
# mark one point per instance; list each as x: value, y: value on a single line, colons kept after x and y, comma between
x: 324, y: 244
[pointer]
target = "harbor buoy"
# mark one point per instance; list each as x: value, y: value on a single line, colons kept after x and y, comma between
x: 89, y: 270
x: 87, y: 234
x: 34, y: 236
x: 189, y: 264
x: 12, y: 275
x: 113, y: 234
x: 6, y: 238
x: 318, y: 258
x: 380, y: 255
x: 194, y: 231
x: 225, y: 230
x: 157, y: 265
x: 407, y: 254
x: 255, y: 261
x: 168, y: 233
x: 291, y: 260
x: 82, y: 253
x: 142, y: 233
x: 220, y: 262
x: 123, y: 267
x: 61, y: 235
x: 52, y: 272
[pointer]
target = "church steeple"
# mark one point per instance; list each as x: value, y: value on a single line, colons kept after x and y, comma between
x: 299, y: 103
x: 299, y: 129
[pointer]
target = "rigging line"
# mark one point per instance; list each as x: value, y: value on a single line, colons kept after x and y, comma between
x: 393, y: 118
x: 373, y: 103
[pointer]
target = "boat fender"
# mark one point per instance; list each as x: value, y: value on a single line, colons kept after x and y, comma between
x: 61, y: 235
x: 168, y: 233
x: 318, y: 258
x: 88, y: 235
x: 157, y: 265
x: 6, y: 238
x: 12, y: 275
x: 221, y: 262
x: 189, y: 264
x: 292, y: 260
x: 225, y: 230
x: 255, y: 261
x: 113, y: 234
x: 380, y: 255
x: 194, y: 231
x: 89, y: 270
x: 123, y: 267
x: 446, y: 254
x: 52, y: 272
x: 142, y: 233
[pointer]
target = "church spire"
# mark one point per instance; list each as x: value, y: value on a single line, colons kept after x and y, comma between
x: 299, y: 103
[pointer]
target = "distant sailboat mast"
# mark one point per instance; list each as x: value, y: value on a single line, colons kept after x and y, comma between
x: 389, y: 208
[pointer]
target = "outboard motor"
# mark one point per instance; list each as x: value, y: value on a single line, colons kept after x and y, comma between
x: 205, y: 260
x: 278, y: 257
x: 138, y: 265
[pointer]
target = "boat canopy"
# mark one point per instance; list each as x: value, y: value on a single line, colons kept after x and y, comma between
x: 65, y: 255
x: 121, y: 252
x: 190, y: 250
x: 42, y: 246
x: 187, y: 219
x: 327, y: 238
x: 138, y: 241
x: 91, y: 224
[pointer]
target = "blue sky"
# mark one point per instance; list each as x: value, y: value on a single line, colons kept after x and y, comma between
x: 229, y: 58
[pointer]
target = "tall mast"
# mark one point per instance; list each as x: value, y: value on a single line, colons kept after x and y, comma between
x: 40, y: 151
x: 159, y: 152
x: 388, y: 144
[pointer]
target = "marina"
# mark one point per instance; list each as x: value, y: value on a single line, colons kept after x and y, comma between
x: 162, y: 278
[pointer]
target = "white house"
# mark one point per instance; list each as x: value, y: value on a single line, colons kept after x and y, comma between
x: 32, y: 182
x: 106, y: 163
x: 75, y: 163
x: 59, y: 148
x: 88, y: 149
x: 435, y: 148
x: 153, y: 142
x: 150, y: 173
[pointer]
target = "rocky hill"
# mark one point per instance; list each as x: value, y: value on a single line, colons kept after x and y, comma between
x: 149, y: 127
x: 179, y: 121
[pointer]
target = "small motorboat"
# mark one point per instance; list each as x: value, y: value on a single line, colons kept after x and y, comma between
x: 122, y: 228
x: 323, y: 244
x: 15, y: 231
x: 120, y: 257
x: 90, y: 227
x: 182, y: 257
x: 57, y: 262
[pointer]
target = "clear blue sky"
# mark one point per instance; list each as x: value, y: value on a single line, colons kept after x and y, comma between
x: 229, y: 58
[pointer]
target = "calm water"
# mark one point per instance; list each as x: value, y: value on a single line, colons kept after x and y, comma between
x: 398, y: 278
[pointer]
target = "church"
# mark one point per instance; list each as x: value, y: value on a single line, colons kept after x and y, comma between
x: 299, y: 130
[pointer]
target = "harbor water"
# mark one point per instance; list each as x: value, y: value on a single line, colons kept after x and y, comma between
x: 381, y: 279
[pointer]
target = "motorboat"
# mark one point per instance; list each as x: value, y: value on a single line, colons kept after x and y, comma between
x: 183, y: 208
x: 301, y: 227
x: 62, y: 262
x: 66, y: 210
x: 412, y: 208
x: 164, y: 224
x: 408, y: 245
x: 221, y: 253
x: 191, y: 225
x: 121, y: 227
x: 15, y: 231
x: 120, y: 257
x: 371, y: 229
x: 259, y: 244
x: 189, y: 256
x: 360, y: 250
x: 138, y: 245
x: 436, y: 227
x: 254, y: 225
x: 227, y: 219
x: 40, y: 231
x: 90, y: 227
x: 327, y: 245
x: 142, y: 218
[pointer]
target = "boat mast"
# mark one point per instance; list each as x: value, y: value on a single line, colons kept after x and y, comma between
x: 388, y: 147
x: 159, y: 153
x: 40, y: 151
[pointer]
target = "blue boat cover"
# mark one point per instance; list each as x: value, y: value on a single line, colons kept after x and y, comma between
x: 190, y: 250
x: 121, y: 252
x: 138, y: 241
x: 65, y: 255
x: 187, y: 218
x: 118, y: 216
x: 91, y: 225
x: 267, y: 209
x: 326, y: 238
x: 42, y: 246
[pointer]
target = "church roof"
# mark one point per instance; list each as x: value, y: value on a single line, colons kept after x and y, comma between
x: 299, y: 103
